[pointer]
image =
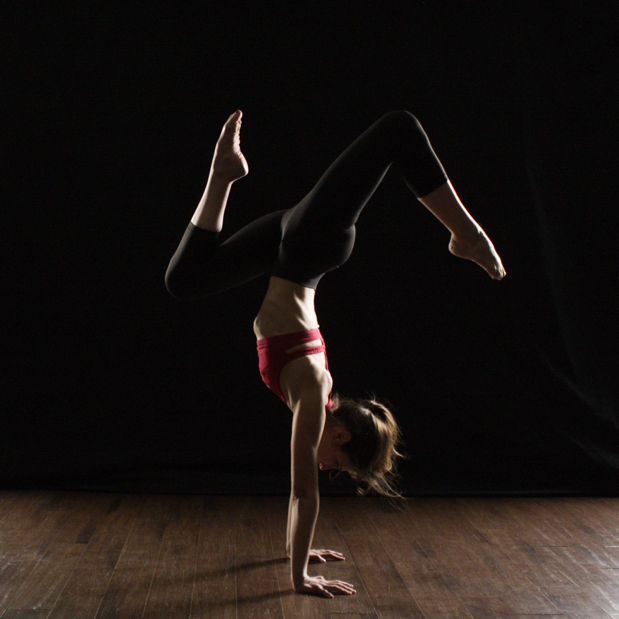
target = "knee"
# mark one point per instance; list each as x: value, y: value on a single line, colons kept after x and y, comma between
x: 405, y: 131
x: 170, y: 284
x: 402, y: 121
x: 175, y: 285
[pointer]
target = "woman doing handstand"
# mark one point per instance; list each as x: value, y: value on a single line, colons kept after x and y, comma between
x: 297, y: 247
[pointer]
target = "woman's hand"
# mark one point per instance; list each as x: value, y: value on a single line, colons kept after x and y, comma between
x: 321, y: 556
x: 229, y: 163
x: 317, y: 585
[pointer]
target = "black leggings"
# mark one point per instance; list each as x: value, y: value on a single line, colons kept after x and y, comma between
x: 317, y: 235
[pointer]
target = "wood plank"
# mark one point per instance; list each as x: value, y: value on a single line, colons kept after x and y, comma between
x: 520, y: 591
x: 613, y: 552
x: 81, y: 596
x: 58, y: 518
x: 58, y: 524
x: 25, y: 531
x: 380, y: 578
x: 586, y: 542
x: 457, y: 552
x: 421, y: 537
x: 489, y: 517
x: 537, y: 528
x: 44, y: 584
x: 606, y: 594
x: 257, y: 592
x: 172, y: 585
x: 79, y: 514
x: 129, y: 586
x: 587, y: 614
x: 9, y: 501
x: 577, y: 603
x: 127, y: 593
x: 434, y: 595
x: 538, y: 565
x: 13, y: 575
x: 144, y: 540
x: 88, y: 583
x: 402, y: 541
x: 277, y: 521
x: 463, y: 573
x: 589, y: 554
x: 257, y: 587
x: 528, y: 599
x: 488, y: 607
x: 578, y: 564
x: 214, y: 592
x: 252, y: 537
x: 466, y: 563
x: 28, y: 613
x: 597, y: 584
x: 595, y: 518
x: 528, y: 522
x: 449, y: 519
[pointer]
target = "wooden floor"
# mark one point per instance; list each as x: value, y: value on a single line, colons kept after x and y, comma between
x: 87, y: 555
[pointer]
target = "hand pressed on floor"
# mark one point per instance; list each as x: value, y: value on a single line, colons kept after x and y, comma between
x: 321, y: 556
x: 317, y: 585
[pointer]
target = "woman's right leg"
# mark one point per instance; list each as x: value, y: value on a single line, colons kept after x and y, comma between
x: 202, y: 266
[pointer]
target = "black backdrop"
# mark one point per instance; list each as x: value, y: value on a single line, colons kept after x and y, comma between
x: 109, y: 118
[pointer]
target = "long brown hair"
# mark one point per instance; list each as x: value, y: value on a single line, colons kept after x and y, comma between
x: 373, y: 448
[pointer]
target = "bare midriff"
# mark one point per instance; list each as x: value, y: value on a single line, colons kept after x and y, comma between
x: 287, y: 308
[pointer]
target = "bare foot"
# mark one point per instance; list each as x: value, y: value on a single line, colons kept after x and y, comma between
x: 229, y: 162
x: 479, y: 249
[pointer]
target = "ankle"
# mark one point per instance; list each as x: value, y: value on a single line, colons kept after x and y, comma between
x: 468, y: 235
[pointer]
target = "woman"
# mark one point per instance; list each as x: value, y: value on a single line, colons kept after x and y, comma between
x: 297, y: 247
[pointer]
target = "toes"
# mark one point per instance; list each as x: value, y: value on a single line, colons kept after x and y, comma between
x: 235, y: 118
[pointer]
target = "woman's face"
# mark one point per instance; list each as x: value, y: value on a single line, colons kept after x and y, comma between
x: 329, y: 453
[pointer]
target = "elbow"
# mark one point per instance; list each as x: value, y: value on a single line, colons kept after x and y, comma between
x: 304, y: 493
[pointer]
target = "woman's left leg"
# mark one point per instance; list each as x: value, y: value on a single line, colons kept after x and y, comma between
x: 318, y: 233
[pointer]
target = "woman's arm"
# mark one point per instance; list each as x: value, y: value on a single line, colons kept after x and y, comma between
x: 315, y: 556
x: 312, y: 393
x: 228, y: 165
x: 288, y: 545
x: 305, y: 502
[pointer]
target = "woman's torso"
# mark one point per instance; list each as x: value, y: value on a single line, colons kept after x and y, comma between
x: 289, y: 308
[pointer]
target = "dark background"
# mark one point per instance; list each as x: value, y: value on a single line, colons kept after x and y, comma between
x: 109, y: 118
